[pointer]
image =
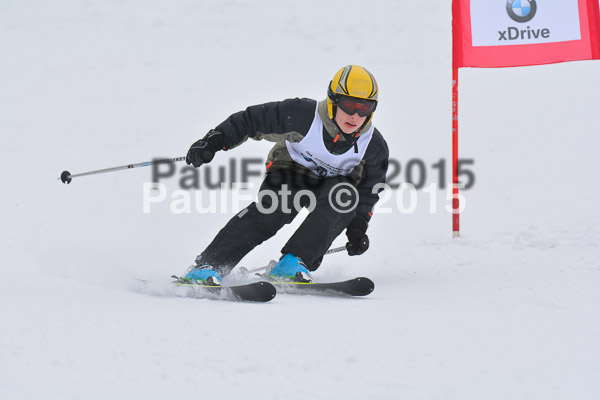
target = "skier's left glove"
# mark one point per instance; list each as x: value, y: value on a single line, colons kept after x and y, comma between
x: 358, y: 241
x: 203, y: 151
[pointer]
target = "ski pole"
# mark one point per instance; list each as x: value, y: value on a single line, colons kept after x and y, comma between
x: 66, y: 176
x: 335, y: 250
x: 273, y: 262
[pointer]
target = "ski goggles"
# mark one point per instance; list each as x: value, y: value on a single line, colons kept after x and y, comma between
x: 352, y: 105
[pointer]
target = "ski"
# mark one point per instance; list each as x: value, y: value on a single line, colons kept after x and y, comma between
x: 252, y: 292
x: 353, y: 287
x: 256, y: 291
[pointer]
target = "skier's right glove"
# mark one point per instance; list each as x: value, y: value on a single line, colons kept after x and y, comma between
x: 203, y: 151
x: 358, y: 241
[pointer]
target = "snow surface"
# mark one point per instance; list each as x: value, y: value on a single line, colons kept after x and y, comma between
x: 509, y: 310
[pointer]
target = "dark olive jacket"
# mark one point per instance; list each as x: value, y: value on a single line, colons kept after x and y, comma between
x: 290, y: 120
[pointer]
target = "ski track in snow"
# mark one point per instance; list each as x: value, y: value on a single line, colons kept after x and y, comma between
x: 509, y: 310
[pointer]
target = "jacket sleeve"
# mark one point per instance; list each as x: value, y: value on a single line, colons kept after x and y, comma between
x: 265, y: 121
x: 374, y: 173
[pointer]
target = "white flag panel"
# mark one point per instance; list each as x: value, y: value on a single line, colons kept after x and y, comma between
x: 518, y: 22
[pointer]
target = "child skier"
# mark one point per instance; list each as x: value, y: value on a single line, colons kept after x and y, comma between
x: 320, y: 147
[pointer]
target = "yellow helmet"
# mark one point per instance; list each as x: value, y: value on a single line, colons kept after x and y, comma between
x: 352, y: 81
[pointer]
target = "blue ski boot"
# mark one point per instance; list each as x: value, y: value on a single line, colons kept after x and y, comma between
x: 291, y: 268
x: 203, y: 275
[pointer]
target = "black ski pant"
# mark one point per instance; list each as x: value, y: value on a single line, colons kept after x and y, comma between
x: 331, y: 213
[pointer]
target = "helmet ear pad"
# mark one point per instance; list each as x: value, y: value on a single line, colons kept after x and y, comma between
x: 334, y: 97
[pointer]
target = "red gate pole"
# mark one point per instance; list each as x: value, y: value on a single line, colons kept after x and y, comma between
x: 455, y: 198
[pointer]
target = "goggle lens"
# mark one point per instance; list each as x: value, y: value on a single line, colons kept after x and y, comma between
x: 351, y: 105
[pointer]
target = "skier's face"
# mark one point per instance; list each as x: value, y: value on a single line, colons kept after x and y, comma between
x: 348, y: 123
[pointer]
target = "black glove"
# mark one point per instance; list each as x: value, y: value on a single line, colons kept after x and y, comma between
x: 358, y: 241
x: 203, y: 151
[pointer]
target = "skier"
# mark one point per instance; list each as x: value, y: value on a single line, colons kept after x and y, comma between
x: 319, y: 146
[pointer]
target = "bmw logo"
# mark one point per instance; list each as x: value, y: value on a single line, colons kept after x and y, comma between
x: 521, y: 10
